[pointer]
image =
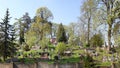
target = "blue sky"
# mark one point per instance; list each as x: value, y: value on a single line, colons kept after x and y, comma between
x: 64, y: 11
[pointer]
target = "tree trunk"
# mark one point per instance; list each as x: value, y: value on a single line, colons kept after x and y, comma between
x: 88, y: 30
x: 3, y: 58
x: 112, y: 65
x: 109, y: 37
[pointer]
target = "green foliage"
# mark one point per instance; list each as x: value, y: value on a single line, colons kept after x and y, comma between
x: 87, y: 9
x: 96, y: 40
x: 44, y: 43
x: 30, y: 53
x: 41, y: 27
x: 19, y: 30
x: 27, y: 60
x: 117, y: 39
x: 26, y: 48
x: 88, y: 61
x: 60, y: 48
x: 11, y: 50
x: 61, y: 34
x: 30, y: 38
x: 7, y: 47
x: 73, y: 37
x: 37, y: 34
x: 22, y: 26
x: 21, y: 38
x: 33, y: 35
x: 44, y: 13
x: 111, y: 18
x: 86, y: 45
x: 26, y: 21
x: 42, y: 24
x: 70, y: 60
x: 104, y: 64
x: 74, y: 41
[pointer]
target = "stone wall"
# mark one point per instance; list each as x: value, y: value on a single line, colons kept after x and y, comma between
x: 40, y: 65
x: 22, y: 65
x: 6, y: 65
x: 68, y: 65
x: 46, y: 65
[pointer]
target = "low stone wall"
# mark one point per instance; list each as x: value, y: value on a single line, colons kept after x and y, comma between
x: 22, y: 65
x: 6, y: 65
x: 68, y: 65
x: 46, y: 65
x: 40, y: 65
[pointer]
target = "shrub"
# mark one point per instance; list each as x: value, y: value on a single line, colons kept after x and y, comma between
x: 88, y: 61
x: 27, y: 60
x: 96, y: 40
x: 26, y: 48
x: 61, y: 47
x: 56, y: 58
x: 86, y: 45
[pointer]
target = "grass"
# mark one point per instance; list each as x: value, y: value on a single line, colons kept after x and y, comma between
x: 61, y: 61
x: 79, y: 51
x: 27, y: 60
x: 48, y: 61
x: 70, y: 60
x: 104, y: 64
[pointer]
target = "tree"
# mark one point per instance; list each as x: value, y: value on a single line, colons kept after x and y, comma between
x: 19, y: 28
x: 35, y: 34
x: 40, y: 29
x: 72, y: 28
x: 26, y: 48
x: 22, y: 26
x: 73, y: 34
x: 96, y: 40
x: 43, y: 16
x: 61, y: 34
x: 112, y: 12
x: 82, y: 32
x: 12, y: 33
x: 88, y: 61
x: 88, y: 7
x: 7, y: 48
x: 116, y: 34
x: 61, y: 47
x: 27, y: 21
x: 44, y: 13
x: 44, y: 43
x: 54, y: 29
x: 31, y: 38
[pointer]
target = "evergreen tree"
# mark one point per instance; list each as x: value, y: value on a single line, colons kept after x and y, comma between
x: 7, y: 48
x: 22, y: 26
x: 96, y: 40
x: 27, y: 21
x: 61, y: 34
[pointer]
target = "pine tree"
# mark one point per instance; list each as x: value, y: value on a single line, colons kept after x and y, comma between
x: 26, y: 21
x: 22, y: 26
x: 7, y: 48
x: 61, y: 34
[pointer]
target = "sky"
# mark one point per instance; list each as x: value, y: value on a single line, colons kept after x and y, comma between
x: 64, y: 11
